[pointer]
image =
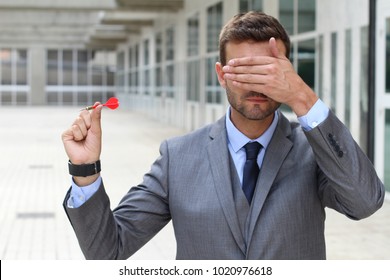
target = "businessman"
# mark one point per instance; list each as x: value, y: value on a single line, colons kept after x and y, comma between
x: 253, y: 185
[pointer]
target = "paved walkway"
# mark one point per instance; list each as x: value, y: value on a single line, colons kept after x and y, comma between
x: 34, y: 180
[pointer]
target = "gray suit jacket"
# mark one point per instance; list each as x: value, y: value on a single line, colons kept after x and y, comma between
x: 190, y: 183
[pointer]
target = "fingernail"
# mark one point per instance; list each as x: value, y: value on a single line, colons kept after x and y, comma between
x: 226, y: 69
x: 231, y: 62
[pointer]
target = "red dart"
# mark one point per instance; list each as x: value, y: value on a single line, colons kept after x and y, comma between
x: 111, y: 103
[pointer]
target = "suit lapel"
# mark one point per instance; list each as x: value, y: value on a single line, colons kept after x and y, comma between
x: 218, y: 155
x: 275, y: 155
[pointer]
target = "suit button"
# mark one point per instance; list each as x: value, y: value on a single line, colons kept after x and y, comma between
x: 340, y: 154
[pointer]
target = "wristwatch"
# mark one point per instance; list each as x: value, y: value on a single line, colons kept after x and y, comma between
x: 84, y: 170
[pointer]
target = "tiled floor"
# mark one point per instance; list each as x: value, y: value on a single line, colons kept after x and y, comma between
x: 34, y: 179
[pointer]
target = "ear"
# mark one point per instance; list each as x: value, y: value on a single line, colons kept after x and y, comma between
x: 220, y: 74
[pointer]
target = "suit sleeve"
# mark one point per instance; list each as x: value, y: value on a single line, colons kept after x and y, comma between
x: 348, y: 181
x: 141, y: 214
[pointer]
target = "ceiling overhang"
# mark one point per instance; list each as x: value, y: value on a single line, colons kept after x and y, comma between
x: 151, y: 5
x: 100, y: 24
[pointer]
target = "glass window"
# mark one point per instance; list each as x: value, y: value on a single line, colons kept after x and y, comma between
x: 67, y: 67
x: 21, y: 67
x: 133, y: 69
x: 158, y: 43
x: 388, y: 55
x: 333, y: 86
x: 297, y: 16
x: 98, y: 96
x: 133, y: 57
x: 82, y: 99
x: 97, y: 76
x: 387, y: 150
x: 214, y: 25
x: 320, y: 65
x: 286, y: 15
x: 306, y: 61
x: 193, y: 36
x: 52, y: 98
x: 146, y: 52
x: 213, y: 89
x: 21, y: 98
x: 348, y: 77
x: 306, y: 15
x: 170, y: 80
x: 121, y: 61
x: 6, y: 66
x: 193, y: 87
x: 67, y: 98
x: 6, y: 98
x: 363, y: 87
x: 82, y: 67
x: 147, y: 82
x: 158, y: 81
x: 136, y: 58
x: 110, y: 76
x: 251, y: 5
x: 170, y: 44
x: 52, y: 68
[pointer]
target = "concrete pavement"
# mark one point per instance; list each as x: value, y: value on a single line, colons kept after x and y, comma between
x: 34, y: 180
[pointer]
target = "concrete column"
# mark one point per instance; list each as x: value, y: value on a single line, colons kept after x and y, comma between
x: 37, y: 75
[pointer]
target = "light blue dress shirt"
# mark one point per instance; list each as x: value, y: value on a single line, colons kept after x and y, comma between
x: 236, y: 141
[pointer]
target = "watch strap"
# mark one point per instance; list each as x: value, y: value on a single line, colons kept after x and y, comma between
x: 84, y: 170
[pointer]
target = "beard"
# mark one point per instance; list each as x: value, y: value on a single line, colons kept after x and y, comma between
x: 251, y: 111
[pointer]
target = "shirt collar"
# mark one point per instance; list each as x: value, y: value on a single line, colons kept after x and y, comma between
x: 237, y: 139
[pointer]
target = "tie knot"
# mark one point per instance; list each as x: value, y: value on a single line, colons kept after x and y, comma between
x: 252, y: 150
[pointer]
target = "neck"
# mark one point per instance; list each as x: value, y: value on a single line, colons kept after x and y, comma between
x: 252, y: 129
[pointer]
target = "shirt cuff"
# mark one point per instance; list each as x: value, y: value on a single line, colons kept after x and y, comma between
x: 79, y: 195
x: 316, y: 115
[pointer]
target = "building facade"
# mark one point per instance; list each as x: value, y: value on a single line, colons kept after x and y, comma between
x: 158, y: 57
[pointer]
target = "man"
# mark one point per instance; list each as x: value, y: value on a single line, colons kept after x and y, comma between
x: 209, y: 184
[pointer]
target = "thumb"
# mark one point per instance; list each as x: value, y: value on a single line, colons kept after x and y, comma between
x: 274, y: 48
x: 96, y: 116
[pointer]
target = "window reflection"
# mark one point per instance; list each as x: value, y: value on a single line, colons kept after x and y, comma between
x: 286, y: 15
x: 306, y: 15
x: 306, y: 61
x: 6, y: 66
x: 348, y: 76
x: 214, y: 25
x: 251, y: 5
x: 388, y: 55
x: 297, y: 16
x: 387, y: 150
x: 193, y: 35
x: 363, y: 87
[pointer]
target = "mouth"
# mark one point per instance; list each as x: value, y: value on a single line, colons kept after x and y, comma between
x: 256, y: 97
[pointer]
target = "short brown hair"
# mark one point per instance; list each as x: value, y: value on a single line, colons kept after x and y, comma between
x: 251, y: 26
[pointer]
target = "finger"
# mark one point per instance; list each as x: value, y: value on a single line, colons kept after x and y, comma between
x: 83, y: 123
x: 67, y: 135
x: 86, y: 116
x: 77, y: 133
x: 251, y: 60
x: 251, y: 87
x: 246, y: 78
x: 96, y: 115
x: 251, y: 69
x: 274, y: 48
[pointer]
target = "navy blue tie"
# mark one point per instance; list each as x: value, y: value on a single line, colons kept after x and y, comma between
x: 251, y: 169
